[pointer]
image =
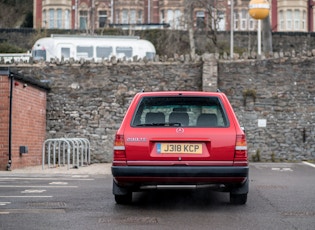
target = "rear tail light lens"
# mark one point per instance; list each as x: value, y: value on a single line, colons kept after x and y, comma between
x: 119, y: 150
x: 240, y: 155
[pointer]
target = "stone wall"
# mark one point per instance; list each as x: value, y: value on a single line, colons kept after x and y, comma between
x: 89, y: 101
x: 279, y: 92
x: 273, y: 98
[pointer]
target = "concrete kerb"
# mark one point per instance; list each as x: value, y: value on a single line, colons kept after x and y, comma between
x: 92, y: 169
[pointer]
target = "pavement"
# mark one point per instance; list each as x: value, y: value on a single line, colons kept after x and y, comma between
x: 92, y: 169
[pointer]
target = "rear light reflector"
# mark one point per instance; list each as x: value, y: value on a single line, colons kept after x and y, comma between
x: 119, y: 149
x: 240, y: 154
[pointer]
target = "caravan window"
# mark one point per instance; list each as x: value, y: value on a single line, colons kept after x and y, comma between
x: 85, y: 51
x: 124, y: 52
x: 39, y: 54
x: 65, y: 52
x: 103, y: 52
x: 149, y: 55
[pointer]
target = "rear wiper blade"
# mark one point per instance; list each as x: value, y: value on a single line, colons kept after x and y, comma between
x: 152, y: 124
x: 160, y: 124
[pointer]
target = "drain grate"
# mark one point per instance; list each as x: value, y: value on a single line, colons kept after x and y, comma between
x: 129, y: 220
x: 48, y: 204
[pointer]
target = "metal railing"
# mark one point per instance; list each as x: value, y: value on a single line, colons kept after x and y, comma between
x: 61, y: 151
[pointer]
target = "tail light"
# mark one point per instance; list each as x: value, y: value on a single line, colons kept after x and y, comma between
x: 119, y: 150
x: 240, y: 155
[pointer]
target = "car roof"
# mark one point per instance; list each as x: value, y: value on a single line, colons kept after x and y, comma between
x: 181, y: 93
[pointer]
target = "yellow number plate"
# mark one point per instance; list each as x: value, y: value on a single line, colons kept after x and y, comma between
x: 179, y: 148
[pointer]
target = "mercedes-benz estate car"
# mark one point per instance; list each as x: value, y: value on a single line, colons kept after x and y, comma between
x: 180, y: 140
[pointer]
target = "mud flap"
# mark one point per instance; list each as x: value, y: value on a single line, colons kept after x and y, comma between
x: 242, y: 189
x: 119, y: 190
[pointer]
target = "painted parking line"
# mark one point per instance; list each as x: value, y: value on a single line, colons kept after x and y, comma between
x: 282, y: 169
x: 4, y: 203
x: 26, y: 196
x: 46, y: 178
x: 309, y: 164
x: 31, y: 211
x: 60, y: 183
x: 36, y: 186
x: 4, y: 213
x: 33, y: 191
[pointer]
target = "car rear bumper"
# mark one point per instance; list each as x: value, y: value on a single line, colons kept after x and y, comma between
x: 180, y: 174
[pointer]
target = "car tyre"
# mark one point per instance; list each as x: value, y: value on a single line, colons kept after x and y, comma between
x: 123, y: 199
x: 238, y: 199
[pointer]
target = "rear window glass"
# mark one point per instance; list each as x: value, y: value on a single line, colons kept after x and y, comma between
x: 180, y: 111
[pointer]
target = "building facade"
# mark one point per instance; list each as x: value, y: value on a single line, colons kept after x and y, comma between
x: 22, y: 120
x: 285, y: 15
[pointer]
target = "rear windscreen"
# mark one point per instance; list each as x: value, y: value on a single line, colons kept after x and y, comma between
x: 180, y: 111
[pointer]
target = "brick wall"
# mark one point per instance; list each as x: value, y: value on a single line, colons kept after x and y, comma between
x: 28, y: 123
x: 4, y: 121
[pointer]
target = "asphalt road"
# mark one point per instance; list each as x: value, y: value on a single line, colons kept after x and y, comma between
x: 282, y: 196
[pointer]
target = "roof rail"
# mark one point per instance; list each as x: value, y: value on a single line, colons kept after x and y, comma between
x: 92, y: 36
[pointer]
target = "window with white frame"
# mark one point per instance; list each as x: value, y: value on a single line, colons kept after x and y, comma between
x: 170, y: 18
x: 125, y: 17
x: 200, y: 19
x: 67, y: 19
x: 83, y: 19
x: 102, y: 18
x: 162, y: 16
x: 236, y: 20
x: 220, y: 21
x: 289, y: 20
x: 281, y: 20
x: 251, y: 23
x: 59, y: 18
x: 133, y: 17
x: 297, y: 20
x: 177, y: 19
x: 244, y: 18
x: 51, y: 18
x: 44, y: 19
x: 139, y: 19
x: 117, y: 17
x: 304, y: 21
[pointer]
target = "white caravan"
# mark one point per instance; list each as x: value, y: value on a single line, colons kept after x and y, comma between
x: 91, y: 47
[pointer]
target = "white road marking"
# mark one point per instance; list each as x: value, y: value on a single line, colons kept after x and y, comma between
x: 32, y: 211
x: 59, y: 183
x: 4, y: 203
x: 26, y: 196
x: 39, y: 178
x: 36, y: 186
x: 282, y: 169
x: 4, y: 213
x: 80, y: 176
x: 309, y: 164
x: 33, y: 191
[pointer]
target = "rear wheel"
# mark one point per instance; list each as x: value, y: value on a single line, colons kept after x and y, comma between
x: 238, y: 199
x: 124, y: 199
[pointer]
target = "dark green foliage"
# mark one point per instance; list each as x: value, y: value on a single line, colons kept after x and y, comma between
x: 8, y: 48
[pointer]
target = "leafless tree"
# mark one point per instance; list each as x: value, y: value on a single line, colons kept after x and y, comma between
x: 208, y: 24
x: 189, y: 19
x: 267, y: 35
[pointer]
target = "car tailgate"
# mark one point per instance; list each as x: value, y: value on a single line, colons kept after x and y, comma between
x: 176, y: 145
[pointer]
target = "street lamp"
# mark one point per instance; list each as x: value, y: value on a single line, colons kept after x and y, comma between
x: 259, y: 9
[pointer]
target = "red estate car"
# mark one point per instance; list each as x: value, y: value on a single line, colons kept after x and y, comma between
x: 180, y: 140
